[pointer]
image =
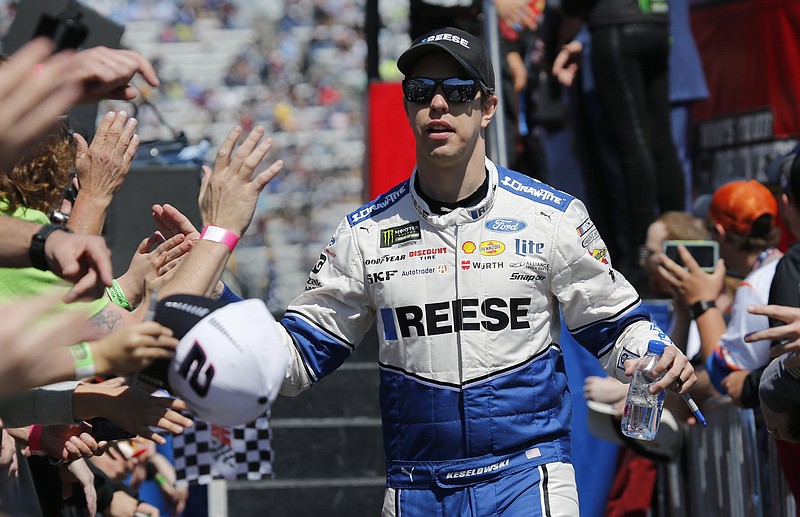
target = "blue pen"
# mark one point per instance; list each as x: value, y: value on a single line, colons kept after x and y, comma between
x: 694, y: 408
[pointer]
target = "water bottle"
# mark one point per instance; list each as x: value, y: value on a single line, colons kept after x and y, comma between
x: 642, y: 408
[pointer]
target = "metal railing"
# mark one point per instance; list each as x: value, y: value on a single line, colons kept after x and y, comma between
x: 729, y: 468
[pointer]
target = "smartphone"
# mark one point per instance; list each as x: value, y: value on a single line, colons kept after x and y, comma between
x: 706, y: 253
x: 104, y: 429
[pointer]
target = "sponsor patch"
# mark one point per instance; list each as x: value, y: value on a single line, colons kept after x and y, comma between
x: 543, y: 194
x: 419, y: 271
x: 523, y: 247
x: 600, y: 255
x: 400, y: 234
x: 525, y: 277
x: 465, y: 265
x: 533, y: 266
x: 590, y: 238
x: 487, y: 265
x: 492, y: 248
x: 381, y: 276
x: 320, y: 262
x: 468, y: 247
x: 379, y: 205
x: 312, y: 283
x: 441, y: 268
x: 505, y: 225
x: 427, y: 254
x: 383, y: 259
x: 624, y: 356
x: 584, y: 227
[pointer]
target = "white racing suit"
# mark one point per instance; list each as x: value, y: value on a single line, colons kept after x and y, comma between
x: 473, y: 384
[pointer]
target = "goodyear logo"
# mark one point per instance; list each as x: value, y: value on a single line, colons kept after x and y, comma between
x: 400, y: 234
x: 492, y: 248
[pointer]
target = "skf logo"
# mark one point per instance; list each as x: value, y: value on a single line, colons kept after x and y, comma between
x: 492, y: 248
x: 468, y: 247
x: 381, y: 276
x: 400, y: 234
x: 600, y: 255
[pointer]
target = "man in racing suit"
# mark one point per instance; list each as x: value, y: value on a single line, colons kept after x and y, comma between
x: 465, y: 267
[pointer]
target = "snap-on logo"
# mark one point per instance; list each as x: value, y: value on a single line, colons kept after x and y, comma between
x: 505, y: 225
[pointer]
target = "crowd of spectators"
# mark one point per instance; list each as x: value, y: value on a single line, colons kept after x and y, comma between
x: 296, y: 67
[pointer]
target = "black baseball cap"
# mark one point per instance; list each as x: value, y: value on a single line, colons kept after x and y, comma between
x: 467, y: 49
x: 784, y: 171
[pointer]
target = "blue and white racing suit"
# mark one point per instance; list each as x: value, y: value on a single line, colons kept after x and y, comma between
x: 473, y: 384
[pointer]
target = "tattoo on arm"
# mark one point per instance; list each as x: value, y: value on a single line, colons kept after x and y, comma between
x: 107, y: 320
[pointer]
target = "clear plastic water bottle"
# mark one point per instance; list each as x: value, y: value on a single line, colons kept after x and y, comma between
x: 642, y: 408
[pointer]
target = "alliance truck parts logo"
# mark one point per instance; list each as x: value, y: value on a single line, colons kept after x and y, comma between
x: 400, y: 234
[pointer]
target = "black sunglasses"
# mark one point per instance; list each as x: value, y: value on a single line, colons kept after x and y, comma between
x: 454, y: 89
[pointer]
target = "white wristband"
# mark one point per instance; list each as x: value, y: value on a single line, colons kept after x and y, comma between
x: 217, y: 234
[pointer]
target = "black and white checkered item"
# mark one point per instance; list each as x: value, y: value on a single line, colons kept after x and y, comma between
x: 206, y: 451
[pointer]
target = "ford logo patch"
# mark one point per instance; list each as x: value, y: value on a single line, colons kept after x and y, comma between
x: 505, y: 225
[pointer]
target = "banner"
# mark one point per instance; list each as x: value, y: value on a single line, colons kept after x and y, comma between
x: 750, y: 52
x: 390, y: 142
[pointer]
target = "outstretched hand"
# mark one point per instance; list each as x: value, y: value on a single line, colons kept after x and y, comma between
x: 787, y: 336
x: 103, y: 166
x: 106, y: 73
x: 35, y: 88
x: 229, y: 193
x: 84, y: 260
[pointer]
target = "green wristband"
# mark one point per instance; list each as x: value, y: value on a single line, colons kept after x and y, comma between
x: 117, y: 295
x: 84, y: 360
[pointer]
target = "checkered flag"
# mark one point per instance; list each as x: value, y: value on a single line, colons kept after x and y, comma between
x: 207, y: 451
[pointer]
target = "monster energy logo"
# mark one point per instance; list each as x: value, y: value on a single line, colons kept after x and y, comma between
x: 399, y: 234
x: 653, y: 6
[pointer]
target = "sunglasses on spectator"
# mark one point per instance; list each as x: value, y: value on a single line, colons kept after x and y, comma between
x: 454, y: 89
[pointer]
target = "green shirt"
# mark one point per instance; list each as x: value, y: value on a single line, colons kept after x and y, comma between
x: 26, y: 281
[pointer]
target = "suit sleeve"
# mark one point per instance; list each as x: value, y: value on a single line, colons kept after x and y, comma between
x: 600, y: 307
x: 324, y: 325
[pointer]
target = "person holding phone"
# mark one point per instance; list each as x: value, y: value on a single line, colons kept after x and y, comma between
x: 742, y: 219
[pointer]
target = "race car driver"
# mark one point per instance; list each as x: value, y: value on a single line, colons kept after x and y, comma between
x: 467, y: 268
